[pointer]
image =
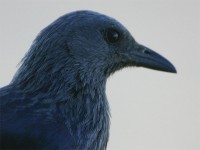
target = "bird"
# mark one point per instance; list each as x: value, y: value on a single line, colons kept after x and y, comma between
x: 57, y: 99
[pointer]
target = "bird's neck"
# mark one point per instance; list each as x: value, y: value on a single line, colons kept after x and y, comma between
x: 90, y: 115
x: 81, y: 100
x: 89, y: 110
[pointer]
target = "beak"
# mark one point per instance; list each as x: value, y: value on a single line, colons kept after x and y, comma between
x: 146, y: 57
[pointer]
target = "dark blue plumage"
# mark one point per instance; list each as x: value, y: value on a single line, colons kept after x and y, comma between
x: 57, y: 98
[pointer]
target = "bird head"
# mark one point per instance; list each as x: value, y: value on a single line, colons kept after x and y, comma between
x: 87, y: 42
x: 105, y: 45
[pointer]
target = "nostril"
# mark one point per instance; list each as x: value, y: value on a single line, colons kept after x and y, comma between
x: 147, y: 52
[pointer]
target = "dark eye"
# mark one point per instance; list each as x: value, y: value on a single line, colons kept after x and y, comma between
x: 112, y: 36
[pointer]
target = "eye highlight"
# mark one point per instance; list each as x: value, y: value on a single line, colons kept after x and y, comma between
x: 112, y: 35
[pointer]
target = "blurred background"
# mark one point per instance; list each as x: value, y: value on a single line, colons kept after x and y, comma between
x: 150, y: 110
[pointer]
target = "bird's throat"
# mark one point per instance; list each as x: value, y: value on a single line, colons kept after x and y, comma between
x: 90, y: 113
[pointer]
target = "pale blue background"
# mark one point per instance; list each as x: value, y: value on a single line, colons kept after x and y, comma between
x: 150, y: 110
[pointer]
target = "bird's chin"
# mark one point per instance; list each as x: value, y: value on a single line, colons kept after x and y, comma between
x: 118, y: 66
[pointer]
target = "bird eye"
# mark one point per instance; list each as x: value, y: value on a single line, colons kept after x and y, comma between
x: 112, y: 35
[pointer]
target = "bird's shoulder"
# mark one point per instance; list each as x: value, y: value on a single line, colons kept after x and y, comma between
x: 28, y: 123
